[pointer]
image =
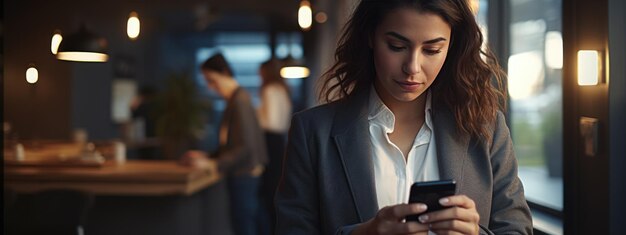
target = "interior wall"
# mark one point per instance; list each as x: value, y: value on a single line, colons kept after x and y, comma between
x: 587, y: 180
x: 74, y: 95
x: 41, y: 110
x: 617, y: 106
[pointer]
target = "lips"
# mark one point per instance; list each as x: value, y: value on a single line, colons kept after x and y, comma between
x: 409, y: 86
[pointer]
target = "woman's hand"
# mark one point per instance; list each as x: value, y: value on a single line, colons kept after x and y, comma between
x: 460, y: 218
x: 199, y: 160
x: 389, y: 220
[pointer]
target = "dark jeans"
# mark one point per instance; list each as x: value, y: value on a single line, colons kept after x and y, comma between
x: 276, y: 143
x: 244, y: 204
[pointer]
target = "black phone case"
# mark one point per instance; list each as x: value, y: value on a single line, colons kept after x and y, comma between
x: 429, y: 193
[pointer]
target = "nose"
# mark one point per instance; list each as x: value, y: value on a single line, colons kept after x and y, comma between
x: 412, y: 64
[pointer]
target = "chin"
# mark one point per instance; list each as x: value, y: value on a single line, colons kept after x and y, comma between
x: 407, y: 97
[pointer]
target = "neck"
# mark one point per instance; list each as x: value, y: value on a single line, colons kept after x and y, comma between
x: 405, y: 111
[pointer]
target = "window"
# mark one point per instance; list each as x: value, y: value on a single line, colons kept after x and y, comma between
x: 535, y: 90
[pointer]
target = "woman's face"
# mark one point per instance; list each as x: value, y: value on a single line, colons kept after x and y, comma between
x: 409, y: 48
x: 214, y: 81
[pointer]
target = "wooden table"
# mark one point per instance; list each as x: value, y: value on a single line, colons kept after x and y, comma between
x: 137, y: 197
x: 133, y: 178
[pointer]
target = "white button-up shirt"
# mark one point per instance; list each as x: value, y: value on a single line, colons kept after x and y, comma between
x: 393, y: 175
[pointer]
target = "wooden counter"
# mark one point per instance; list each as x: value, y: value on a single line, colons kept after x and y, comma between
x: 133, y: 178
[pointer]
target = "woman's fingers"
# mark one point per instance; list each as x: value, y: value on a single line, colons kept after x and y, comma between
x: 454, y: 227
x: 389, y: 220
x: 458, y: 200
x: 399, y: 212
x: 460, y: 217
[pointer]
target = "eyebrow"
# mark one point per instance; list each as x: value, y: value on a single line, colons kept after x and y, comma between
x: 403, y: 38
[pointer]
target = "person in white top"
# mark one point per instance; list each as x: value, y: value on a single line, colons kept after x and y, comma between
x: 274, y: 114
x: 410, y: 98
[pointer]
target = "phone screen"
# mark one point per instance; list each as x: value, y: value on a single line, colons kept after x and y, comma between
x: 429, y: 193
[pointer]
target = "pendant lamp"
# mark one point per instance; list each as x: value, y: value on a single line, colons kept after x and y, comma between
x: 83, y: 46
x: 293, y: 68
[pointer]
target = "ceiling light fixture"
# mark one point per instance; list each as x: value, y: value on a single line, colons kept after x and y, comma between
x: 292, y: 67
x: 83, y: 46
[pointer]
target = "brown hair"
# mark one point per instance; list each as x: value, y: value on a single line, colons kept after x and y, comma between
x: 471, y: 87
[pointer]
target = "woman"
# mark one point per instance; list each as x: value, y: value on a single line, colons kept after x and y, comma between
x: 412, y: 100
x: 241, y: 154
x: 274, y: 115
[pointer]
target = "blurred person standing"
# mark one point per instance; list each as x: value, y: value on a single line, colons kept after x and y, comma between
x: 241, y: 155
x: 274, y: 115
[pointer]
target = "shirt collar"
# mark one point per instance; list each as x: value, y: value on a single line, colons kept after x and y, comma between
x: 380, y: 114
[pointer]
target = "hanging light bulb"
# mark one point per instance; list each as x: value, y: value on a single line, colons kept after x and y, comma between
x: 305, y: 15
x: 133, y: 25
x: 32, y: 75
x: 55, y: 42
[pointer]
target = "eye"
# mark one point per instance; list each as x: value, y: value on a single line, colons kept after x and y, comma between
x: 432, y: 52
x: 395, y: 47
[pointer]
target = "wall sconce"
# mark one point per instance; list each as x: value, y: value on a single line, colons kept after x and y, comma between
x: 589, y: 67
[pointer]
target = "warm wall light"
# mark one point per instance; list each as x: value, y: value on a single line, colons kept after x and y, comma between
x: 133, y: 25
x: 588, y: 68
x: 55, y: 42
x: 32, y: 75
x: 305, y: 15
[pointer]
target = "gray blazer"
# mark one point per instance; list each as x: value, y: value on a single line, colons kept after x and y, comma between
x: 328, y: 178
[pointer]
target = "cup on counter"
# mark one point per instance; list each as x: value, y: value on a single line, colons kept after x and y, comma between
x: 19, y: 152
x: 80, y: 136
x: 119, y: 149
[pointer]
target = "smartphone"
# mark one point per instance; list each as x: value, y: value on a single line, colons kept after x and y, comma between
x: 429, y: 193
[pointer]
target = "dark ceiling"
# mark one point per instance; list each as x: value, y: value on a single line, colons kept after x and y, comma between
x: 280, y: 14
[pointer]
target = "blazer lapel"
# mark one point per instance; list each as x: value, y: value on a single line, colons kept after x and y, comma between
x: 351, y: 134
x: 451, y: 150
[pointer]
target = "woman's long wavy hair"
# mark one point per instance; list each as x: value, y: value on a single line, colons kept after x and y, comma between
x: 471, y: 87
